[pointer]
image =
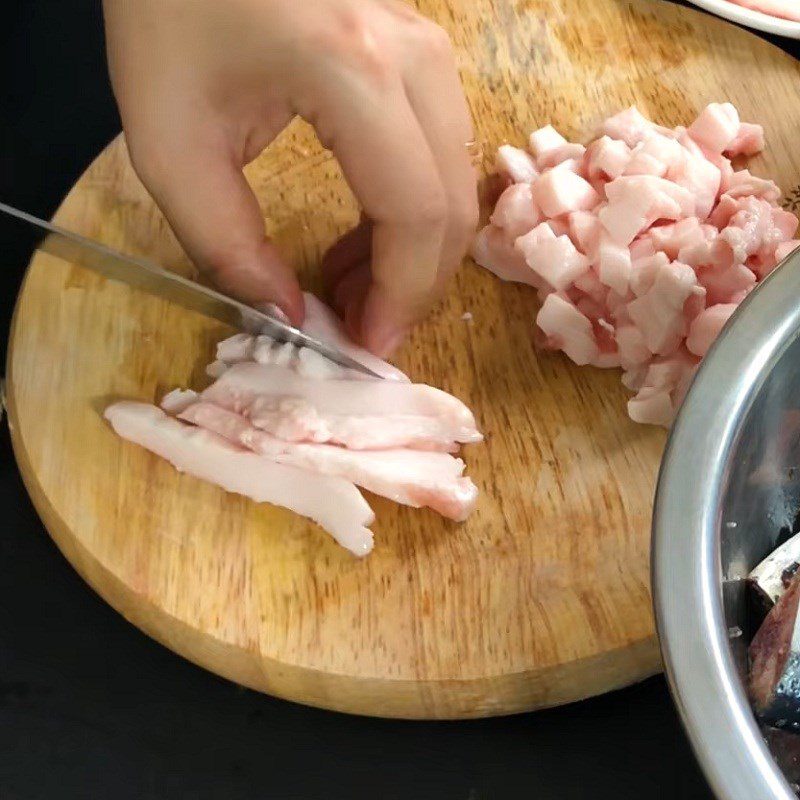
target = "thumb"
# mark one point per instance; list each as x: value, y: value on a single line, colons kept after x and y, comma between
x: 215, y: 216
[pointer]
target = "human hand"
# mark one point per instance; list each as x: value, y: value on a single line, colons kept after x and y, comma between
x: 204, y: 86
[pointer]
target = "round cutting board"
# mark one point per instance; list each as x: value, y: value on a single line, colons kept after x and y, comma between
x: 542, y: 596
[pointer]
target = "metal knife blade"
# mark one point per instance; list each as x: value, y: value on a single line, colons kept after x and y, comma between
x: 149, y: 277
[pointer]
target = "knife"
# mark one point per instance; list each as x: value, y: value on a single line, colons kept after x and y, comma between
x: 149, y: 277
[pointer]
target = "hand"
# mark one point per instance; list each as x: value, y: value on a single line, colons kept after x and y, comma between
x: 204, y: 86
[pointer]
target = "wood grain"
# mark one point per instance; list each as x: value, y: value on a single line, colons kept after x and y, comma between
x: 542, y: 596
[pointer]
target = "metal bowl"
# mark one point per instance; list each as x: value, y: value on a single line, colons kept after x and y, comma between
x: 729, y: 483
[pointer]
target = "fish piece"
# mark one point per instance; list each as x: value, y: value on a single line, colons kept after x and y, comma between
x: 322, y: 324
x: 254, y: 389
x: 706, y: 327
x: 545, y: 140
x: 333, y: 503
x: 748, y: 141
x: 515, y: 212
x: 494, y: 249
x: 567, y: 329
x: 177, y: 400
x: 774, y: 681
x: 554, y: 259
x: 716, y: 127
x: 515, y: 164
x: 559, y: 191
x: 771, y: 577
x: 413, y: 478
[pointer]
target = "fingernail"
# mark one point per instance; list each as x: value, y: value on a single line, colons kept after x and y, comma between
x: 288, y: 312
x: 274, y: 310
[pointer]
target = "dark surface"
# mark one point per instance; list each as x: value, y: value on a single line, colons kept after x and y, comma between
x: 92, y: 708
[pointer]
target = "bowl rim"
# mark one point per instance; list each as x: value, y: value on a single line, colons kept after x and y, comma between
x: 686, y: 562
x: 757, y: 20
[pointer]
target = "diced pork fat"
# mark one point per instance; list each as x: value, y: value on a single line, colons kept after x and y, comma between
x: 545, y: 140
x: 706, y: 327
x: 657, y: 258
x: 567, y: 329
x: 494, y: 249
x: 559, y: 191
x: 515, y: 212
x: 716, y: 127
x: 553, y: 258
x: 516, y: 164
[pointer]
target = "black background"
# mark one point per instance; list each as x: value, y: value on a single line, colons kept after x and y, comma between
x: 92, y: 708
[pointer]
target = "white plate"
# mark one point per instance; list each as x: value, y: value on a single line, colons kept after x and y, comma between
x: 753, y: 19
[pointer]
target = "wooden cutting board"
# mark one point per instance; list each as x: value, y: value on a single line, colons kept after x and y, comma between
x: 540, y: 598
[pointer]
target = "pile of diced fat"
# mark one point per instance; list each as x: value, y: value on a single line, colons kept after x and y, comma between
x: 640, y: 244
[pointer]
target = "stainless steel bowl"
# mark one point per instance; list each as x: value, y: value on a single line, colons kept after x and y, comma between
x: 729, y: 482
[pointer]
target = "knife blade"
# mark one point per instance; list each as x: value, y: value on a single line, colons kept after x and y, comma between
x: 149, y: 277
